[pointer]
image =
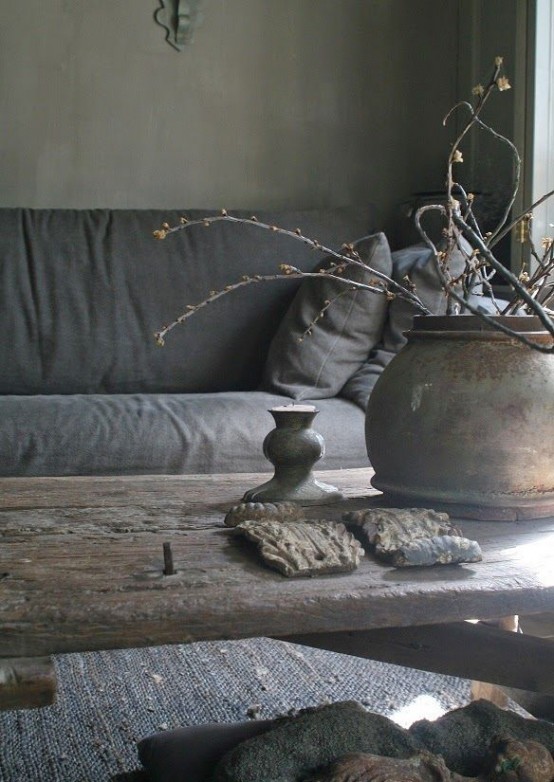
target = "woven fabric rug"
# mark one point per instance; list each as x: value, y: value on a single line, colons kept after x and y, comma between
x: 107, y: 701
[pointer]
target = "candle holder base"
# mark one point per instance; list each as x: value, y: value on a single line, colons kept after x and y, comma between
x: 308, y: 492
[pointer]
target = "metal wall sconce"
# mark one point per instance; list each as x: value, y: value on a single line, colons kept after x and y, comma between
x: 180, y: 18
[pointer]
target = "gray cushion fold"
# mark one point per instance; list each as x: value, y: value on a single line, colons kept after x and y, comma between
x: 416, y: 262
x: 359, y: 387
x: 126, y: 434
x: 318, y: 365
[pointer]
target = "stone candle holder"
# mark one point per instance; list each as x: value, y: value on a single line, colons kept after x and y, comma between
x: 293, y: 448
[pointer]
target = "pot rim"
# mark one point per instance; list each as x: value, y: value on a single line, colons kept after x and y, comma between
x: 472, y: 326
x: 524, y: 323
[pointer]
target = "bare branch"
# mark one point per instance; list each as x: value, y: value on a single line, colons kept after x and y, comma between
x: 521, y: 289
x: 520, y: 217
x: 382, y: 284
x: 480, y: 264
x: 297, y: 235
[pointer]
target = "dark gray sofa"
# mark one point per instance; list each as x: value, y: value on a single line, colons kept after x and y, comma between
x: 84, y: 389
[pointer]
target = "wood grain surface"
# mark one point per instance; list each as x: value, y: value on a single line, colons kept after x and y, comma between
x: 81, y: 568
x: 463, y: 649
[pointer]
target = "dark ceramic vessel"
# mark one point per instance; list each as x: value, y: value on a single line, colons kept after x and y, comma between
x: 463, y: 418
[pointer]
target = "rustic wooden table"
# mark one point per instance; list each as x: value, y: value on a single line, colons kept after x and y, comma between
x: 81, y: 568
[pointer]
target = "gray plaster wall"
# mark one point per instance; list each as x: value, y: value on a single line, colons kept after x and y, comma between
x: 276, y: 103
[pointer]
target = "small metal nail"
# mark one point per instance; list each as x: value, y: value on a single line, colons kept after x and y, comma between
x: 169, y: 569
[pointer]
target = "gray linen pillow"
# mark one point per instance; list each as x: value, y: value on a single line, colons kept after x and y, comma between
x: 359, y: 387
x: 319, y: 366
x: 416, y: 262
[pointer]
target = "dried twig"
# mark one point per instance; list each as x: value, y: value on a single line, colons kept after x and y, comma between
x: 460, y: 221
x: 461, y: 226
x: 347, y: 256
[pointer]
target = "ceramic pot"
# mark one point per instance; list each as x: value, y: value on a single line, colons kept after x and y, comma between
x: 463, y: 418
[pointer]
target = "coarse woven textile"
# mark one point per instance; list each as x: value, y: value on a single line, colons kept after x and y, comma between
x: 108, y: 701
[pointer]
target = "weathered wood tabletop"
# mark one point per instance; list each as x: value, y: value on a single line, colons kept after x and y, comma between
x: 81, y: 568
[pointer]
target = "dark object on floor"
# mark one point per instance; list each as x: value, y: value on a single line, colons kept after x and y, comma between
x: 190, y: 754
x: 519, y: 761
x: 363, y: 767
x: 463, y: 736
x: 315, y: 738
x: 108, y: 701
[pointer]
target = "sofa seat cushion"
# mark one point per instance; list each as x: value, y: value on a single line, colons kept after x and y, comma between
x: 126, y: 434
x: 83, y: 291
x: 329, y: 328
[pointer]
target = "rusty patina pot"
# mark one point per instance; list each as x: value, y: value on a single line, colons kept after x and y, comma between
x: 463, y: 418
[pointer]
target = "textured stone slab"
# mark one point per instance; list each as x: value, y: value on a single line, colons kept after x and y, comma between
x: 389, y: 528
x: 437, y: 550
x: 304, y: 548
x: 408, y: 537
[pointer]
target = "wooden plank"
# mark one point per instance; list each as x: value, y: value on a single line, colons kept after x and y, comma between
x: 537, y: 704
x: 81, y: 568
x: 200, y: 491
x: 460, y: 649
x: 27, y: 683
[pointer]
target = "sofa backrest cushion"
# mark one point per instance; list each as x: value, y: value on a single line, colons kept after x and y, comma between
x: 83, y: 291
x: 312, y: 357
x: 417, y: 263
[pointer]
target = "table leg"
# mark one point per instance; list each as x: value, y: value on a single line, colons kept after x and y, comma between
x: 26, y: 682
